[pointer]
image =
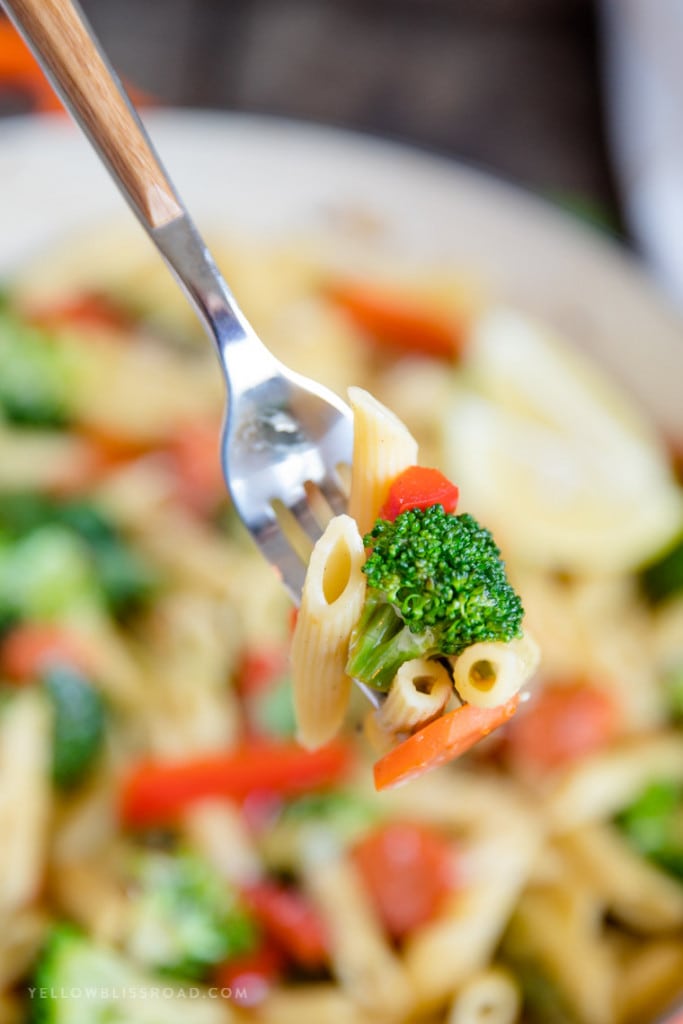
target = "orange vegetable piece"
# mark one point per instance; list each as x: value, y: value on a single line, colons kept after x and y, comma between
x: 29, y: 649
x: 396, y: 322
x: 408, y: 869
x: 560, y: 725
x: 442, y: 740
x: 419, y: 487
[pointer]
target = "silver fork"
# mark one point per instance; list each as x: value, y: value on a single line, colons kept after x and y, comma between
x: 285, y: 437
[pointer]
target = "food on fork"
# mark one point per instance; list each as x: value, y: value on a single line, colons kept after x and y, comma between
x: 420, y: 604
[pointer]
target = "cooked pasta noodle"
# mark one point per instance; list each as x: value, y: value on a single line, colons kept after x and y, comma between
x: 420, y: 691
x: 601, y: 786
x: 25, y: 800
x: 488, y: 674
x: 561, y: 929
x: 21, y: 939
x: 196, y: 847
x: 637, y: 893
x: 218, y: 831
x: 330, y: 605
x: 382, y: 447
x: 489, y: 997
x: 362, y: 958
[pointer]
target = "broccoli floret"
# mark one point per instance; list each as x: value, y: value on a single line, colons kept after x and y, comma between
x: 79, y: 981
x: 79, y: 725
x: 436, y: 585
x: 663, y: 578
x: 185, y: 917
x: 36, y: 375
x: 653, y: 824
x: 80, y: 550
x: 46, y: 574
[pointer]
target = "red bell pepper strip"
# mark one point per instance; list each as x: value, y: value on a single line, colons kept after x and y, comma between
x: 419, y: 487
x: 195, y: 452
x: 394, y: 321
x: 261, y: 668
x: 442, y: 740
x: 88, y: 310
x: 156, y: 792
x: 29, y: 649
x: 409, y: 870
x: 248, y: 978
x: 561, y: 724
x: 291, y: 921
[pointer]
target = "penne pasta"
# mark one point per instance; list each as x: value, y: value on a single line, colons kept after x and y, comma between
x: 601, y: 786
x: 500, y: 850
x: 489, y: 674
x: 217, y: 831
x: 362, y: 959
x: 331, y: 602
x: 25, y: 799
x: 559, y: 929
x: 382, y: 448
x: 649, y: 981
x: 490, y: 997
x: 22, y: 935
x: 420, y: 691
x: 637, y: 893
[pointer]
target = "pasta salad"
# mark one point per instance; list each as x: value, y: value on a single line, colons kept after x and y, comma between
x: 168, y: 849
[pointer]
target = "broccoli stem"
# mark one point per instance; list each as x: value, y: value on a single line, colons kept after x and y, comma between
x: 381, y: 643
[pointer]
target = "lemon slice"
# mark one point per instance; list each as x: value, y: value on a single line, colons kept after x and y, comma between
x: 524, y: 366
x: 553, y: 458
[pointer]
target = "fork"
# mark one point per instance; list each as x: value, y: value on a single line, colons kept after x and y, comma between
x: 285, y: 439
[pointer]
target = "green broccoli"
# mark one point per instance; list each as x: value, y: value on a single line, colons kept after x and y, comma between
x: 61, y: 556
x: 663, y: 578
x: 79, y: 724
x: 185, y: 917
x: 436, y: 585
x: 36, y: 375
x: 653, y: 824
x: 79, y: 981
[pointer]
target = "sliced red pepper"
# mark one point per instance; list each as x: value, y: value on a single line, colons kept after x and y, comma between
x: 290, y: 919
x: 409, y: 870
x: 561, y: 724
x: 247, y: 979
x: 392, y: 320
x: 29, y: 649
x: 261, y: 668
x: 156, y: 792
x: 195, y: 451
x: 419, y: 487
x: 88, y: 310
x: 442, y: 740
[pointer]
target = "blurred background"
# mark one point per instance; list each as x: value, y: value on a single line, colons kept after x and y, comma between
x: 512, y: 86
x: 574, y: 99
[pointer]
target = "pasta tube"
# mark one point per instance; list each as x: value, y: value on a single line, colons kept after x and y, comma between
x: 489, y: 674
x: 420, y: 690
x: 331, y: 603
x: 25, y: 798
x: 490, y: 997
x: 382, y: 448
x: 362, y: 958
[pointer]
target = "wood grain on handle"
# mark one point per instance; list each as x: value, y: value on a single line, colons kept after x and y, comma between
x: 62, y: 42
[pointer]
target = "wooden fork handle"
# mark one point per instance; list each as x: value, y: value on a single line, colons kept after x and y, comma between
x: 78, y: 70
